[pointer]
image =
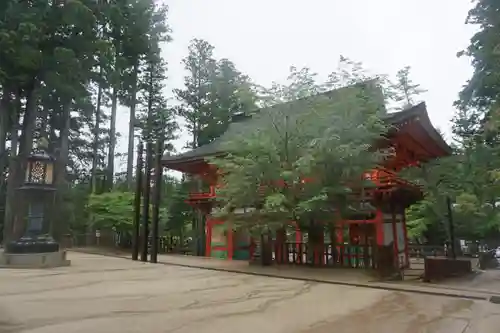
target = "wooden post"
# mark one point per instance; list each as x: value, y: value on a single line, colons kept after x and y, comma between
x: 137, y: 203
x: 298, y: 241
x: 298, y: 233
x: 340, y: 242
x: 452, y: 228
x: 321, y: 247
x: 145, y: 206
x: 333, y: 242
x: 405, y: 235
x: 156, y: 201
x: 379, y: 225
x: 208, y: 242
x: 201, y: 225
x: 395, y: 235
x: 198, y: 221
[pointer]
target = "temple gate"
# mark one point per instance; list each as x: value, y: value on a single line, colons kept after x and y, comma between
x: 412, y: 139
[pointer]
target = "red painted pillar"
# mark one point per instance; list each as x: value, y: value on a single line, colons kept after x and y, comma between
x: 298, y: 235
x: 340, y: 233
x: 340, y: 241
x: 298, y: 243
x: 395, y: 236
x: 379, y: 225
x: 208, y: 240
x: 298, y: 239
x: 353, y: 232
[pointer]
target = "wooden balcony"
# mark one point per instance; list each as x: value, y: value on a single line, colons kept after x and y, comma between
x: 384, y: 178
x: 210, y: 194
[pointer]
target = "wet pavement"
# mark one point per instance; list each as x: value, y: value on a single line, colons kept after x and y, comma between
x: 103, y: 294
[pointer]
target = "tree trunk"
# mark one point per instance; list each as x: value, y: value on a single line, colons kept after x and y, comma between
x: 95, y: 148
x: 112, y: 139
x: 315, y: 243
x: 52, y: 137
x: 131, y: 127
x: 5, y: 124
x: 14, y: 143
x: 29, y: 126
x: 17, y: 167
x: 281, y: 251
x: 44, y: 122
x: 57, y: 224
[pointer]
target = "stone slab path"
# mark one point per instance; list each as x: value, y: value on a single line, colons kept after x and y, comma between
x: 104, y: 294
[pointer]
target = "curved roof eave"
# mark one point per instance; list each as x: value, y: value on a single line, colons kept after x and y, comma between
x: 418, y: 111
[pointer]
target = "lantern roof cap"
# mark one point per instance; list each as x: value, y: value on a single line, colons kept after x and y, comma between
x: 40, y: 155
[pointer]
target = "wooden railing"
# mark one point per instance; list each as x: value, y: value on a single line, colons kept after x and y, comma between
x: 327, y: 255
x: 123, y: 242
x: 385, y: 178
x: 203, y: 195
x: 171, y: 245
x: 422, y: 251
x: 380, y: 176
x: 379, y: 259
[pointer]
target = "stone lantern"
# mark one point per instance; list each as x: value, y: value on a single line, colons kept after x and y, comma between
x: 36, y: 195
x: 39, y: 172
x: 33, y: 245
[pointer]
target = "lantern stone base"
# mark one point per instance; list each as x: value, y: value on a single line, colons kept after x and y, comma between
x: 32, y: 244
x: 34, y: 260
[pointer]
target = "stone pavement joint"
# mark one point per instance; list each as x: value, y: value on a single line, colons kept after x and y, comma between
x: 225, y: 266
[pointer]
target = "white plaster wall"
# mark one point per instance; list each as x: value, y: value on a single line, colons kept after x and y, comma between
x: 388, y: 234
x: 403, y: 260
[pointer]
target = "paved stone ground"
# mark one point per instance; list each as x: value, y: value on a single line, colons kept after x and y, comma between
x: 104, y: 294
x: 481, y: 280
x: 352, y: 277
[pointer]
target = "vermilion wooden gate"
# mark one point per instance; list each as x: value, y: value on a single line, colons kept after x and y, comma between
x: 225, y: 243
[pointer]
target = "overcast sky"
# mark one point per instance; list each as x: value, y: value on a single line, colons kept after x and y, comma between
x: 264, y: 37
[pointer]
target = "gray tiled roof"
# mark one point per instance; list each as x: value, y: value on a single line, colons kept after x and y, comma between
x: 254, y: 122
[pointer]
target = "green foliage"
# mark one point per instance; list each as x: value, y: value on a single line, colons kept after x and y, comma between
x: 112, y: 210
x: 469, y: 179
x: 405, y: 90
x: 418, y: 219
x: 61, y: 63
x: 115, y: 211
x: 213, y: 92
x: 181, y: 214
x: 301, y: 158
x: 476, y: 127
x: 154, y: 103
x: 482, y: 90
